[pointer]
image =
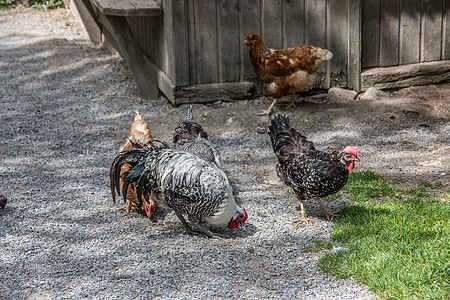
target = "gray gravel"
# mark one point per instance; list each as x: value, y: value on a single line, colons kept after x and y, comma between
x: 66, y: 106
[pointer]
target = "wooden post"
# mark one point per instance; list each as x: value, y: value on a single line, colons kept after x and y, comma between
x: 354, y: 44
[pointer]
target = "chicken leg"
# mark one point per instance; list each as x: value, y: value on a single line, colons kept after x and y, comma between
x: 203, y: 230
x: 303, y: 217
x: 126, y: 207
x: 291, y: 102
x: 270, y: 109
x: 325, y: 211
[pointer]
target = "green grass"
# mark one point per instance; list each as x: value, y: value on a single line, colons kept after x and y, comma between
x: 318, y: 246
x: 398, y: 239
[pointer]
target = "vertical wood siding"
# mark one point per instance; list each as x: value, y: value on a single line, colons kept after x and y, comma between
x: 399, y: 32
x: 202, y: 40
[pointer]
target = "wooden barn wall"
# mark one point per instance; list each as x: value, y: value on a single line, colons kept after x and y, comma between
x: 209, y: 36
x: 399, y: 32
x: 200, y: 42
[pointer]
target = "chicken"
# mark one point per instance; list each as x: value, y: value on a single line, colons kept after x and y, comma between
x: 139, y: 136
x: 185, y: 183
x: 189, y: 136
x: 3, y: 201
x: 288, y: 70
x: 310, y: 173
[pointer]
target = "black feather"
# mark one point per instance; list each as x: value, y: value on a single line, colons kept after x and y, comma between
x: 132, y: 156
x: 188, y: 129
x: 308, y: 171
x: 145, y: 181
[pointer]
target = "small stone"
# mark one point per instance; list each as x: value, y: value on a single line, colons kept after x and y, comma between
x: 339, y: 95
x: 372, y: 94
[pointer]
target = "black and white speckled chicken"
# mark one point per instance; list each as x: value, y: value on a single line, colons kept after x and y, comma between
x: 189, y: 136
x: 310, y: 173
x: 184, y: 182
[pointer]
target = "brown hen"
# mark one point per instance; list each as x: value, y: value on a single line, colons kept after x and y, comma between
x: 288, y: 70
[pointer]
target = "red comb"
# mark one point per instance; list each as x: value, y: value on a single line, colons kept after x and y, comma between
x: 249, y: 35
x: 351, y: 150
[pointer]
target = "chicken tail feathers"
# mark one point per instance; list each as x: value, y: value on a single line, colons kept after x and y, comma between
x: 189, y: 116
x: 131, y: 177
x: 138, y: 136
x: 286, y: 142
x: 132, y: 156
x: 144, y: 185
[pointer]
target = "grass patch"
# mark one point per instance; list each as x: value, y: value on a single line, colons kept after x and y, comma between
x: 398, y: 239
x: 318, y: 246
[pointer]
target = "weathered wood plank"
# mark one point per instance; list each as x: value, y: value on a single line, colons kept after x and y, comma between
x: 410, y: 32
x: 168, y: 65
x: 294, y: 23
x: 180, y: 42
x: 446, y: 32
x: 164, y: 83
x: 134, y: 56
x: 250, y: 17
x: 229, y: 44
x: 154, y: 31
x: 272, y: 23
x: 83, y: 11
x: 315, y: 22
x: 133, y: 8
x: 354, y: 44
x: 206, y: 41
x: 407, y: 75
x: 213, y: 92
x: 192, y: 55
x: 389, y: 32
x: 370, y: 33
x: 431, y: 30
x: 338, y: 42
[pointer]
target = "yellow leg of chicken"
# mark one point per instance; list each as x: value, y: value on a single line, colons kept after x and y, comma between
x: 269, y: 110
x: 325, y: 211
x: 303, y: 217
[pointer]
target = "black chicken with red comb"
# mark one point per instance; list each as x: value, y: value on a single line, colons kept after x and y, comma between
x: 310, y: 173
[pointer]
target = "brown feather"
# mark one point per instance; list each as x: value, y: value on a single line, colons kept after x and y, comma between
x: 139, y: 136
x: 288, y: 70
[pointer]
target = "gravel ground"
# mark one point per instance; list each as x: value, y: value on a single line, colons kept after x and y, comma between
x: 66, y: 106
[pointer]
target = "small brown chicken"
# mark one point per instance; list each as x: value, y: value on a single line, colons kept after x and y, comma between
x: 139, y: 136
x: 288, y: 70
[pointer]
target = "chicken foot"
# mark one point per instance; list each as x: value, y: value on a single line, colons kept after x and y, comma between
x: 303, y: 217
x: 270, y: 109
x: 325, y: 211
x: 203, y: 230
x: 291, y: 103
x: 126, y: 207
